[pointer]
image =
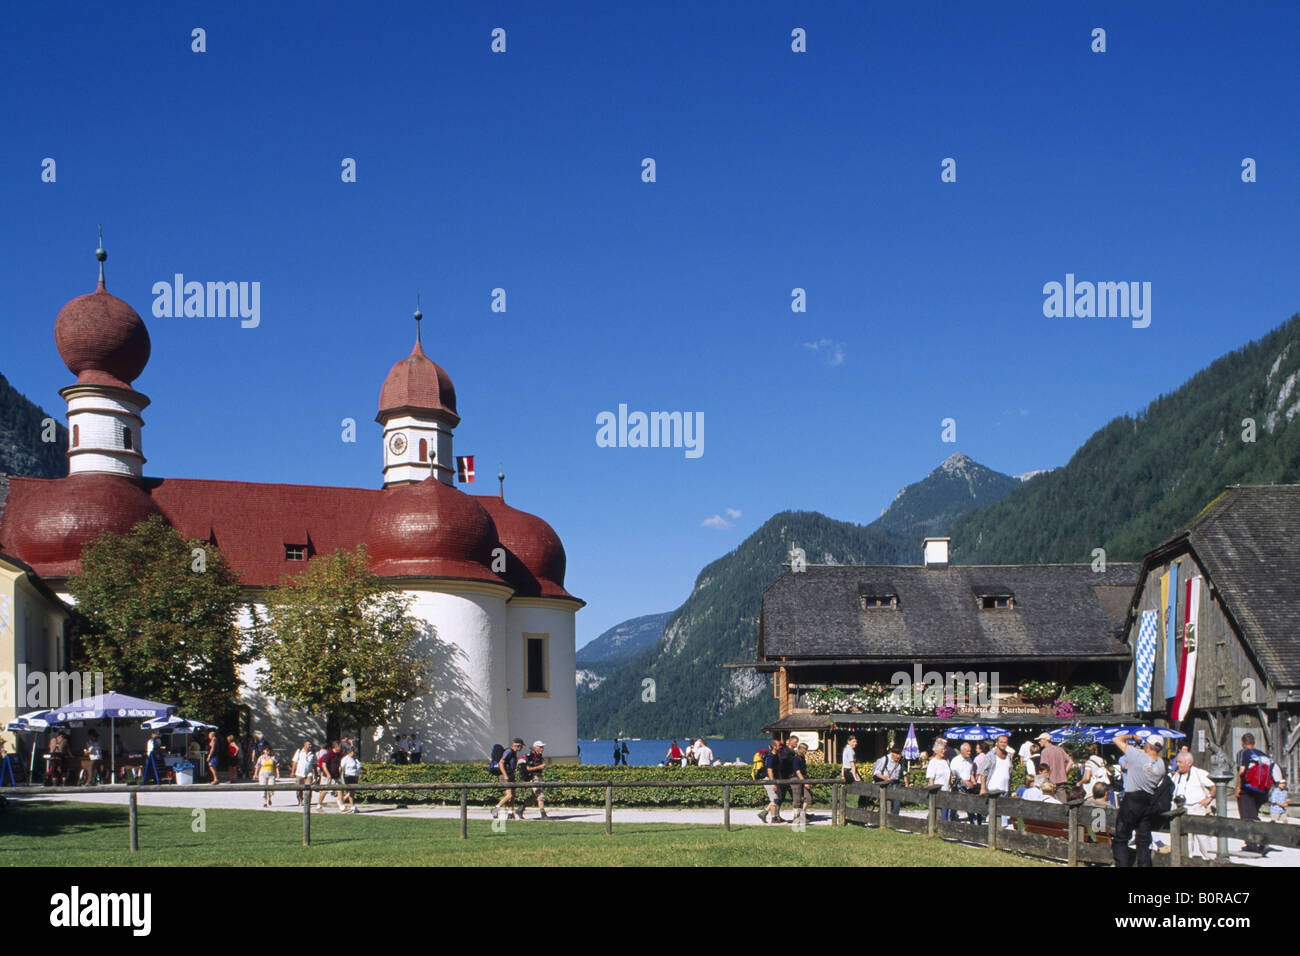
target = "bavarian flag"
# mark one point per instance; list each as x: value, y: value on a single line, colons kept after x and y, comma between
x: 1145, y: 658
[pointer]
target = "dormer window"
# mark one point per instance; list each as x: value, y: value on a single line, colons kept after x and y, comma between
x: 875, y: 597
x: 295, y: 552
x: 997, y: 602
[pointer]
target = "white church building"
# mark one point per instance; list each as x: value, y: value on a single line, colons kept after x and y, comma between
x: 486, y: 580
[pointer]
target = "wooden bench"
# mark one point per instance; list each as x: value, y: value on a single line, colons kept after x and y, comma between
x: 1055, y: 828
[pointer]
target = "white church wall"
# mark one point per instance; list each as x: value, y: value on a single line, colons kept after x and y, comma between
x: 553, y: 718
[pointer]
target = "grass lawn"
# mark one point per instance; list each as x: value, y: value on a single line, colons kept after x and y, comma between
x: 88, y: 834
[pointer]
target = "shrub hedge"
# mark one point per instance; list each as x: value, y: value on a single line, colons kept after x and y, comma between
x: 678, y: 796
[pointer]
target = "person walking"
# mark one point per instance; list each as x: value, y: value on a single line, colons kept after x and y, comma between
x: 888, y: 770
x: 265, y: 767
x: 1054, y: 760
x: 216, y: 754
x: 1194, y: 790
x: 703, y: 753
x: 771, y: 764
x: 534, y: 763
x: 232, y: 759
x: 803, y: 791
x: 785, y: 770
x: 329, y: 765
x: 506, y: 768
x: 938, y: 772
x: 1254, y: 780
x: 350, y: 768
x: 849, y: 761
x: 1143, y: 771
x: 304, y: 759
x: 617, y: 753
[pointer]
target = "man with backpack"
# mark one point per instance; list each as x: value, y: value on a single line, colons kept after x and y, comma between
x: 771, y: 766
x: 1254, y: 780
x: 1148, y: 792
x: 533, y: 764
x: 505, y: 769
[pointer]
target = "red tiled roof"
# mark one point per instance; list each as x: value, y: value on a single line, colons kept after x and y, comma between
x: 416, y: 382
x: 430, y: 529
x: 535, y: 559
x: 101, y: 339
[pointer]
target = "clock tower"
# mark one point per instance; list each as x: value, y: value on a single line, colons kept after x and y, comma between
x: 417, y: 407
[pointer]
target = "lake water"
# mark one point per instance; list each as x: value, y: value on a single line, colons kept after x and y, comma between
x: 650, y: 753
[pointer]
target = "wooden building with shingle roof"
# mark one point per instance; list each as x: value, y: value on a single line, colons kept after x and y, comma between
x: 1243, y: 555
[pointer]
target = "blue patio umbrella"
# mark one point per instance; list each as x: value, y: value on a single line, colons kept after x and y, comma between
x: 1075, y: 733
x: 975, y: 732
x: 111, y: 707
x: 33, y: 723
x: 911, y: 749
x: 1108, y: 734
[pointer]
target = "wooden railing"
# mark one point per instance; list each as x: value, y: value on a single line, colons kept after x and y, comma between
x: 1084, y: 829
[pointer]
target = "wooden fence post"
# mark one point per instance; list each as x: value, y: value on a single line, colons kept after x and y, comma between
x: 1176, y: 838
x: 726, y: 808
x: 993, y: 821
x: 133, y: 820
x: 884, y: 806
x: 1072, y: 843
x: 932, y: 818
x: 464, y: 813
x: 835, y: 803
x: 609, y: 810
x: 306, y: 818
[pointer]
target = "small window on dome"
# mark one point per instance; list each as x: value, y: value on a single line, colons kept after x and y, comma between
x: 424, y: 449
x: 76, y: 436
x: 126, y: 438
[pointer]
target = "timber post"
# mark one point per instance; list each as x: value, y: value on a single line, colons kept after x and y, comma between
x: 609, y: 809
x: 884, y: 806
x: 1072, y: 835
x: 835, y: 804
x: 133, y: 821
x: 993, y: 820
x: 726, y: 808
x: 1176, y: 837
x: 932, y: 816
x: 306, y: 818
x: 464, y: 813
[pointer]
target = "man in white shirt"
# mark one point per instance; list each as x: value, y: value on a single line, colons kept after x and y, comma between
x: 703, y: 754
x: 997, y: 769
x: 963, y: 768
x: 938, y: 772
x: 304, y: 760
x: 1195, y: 789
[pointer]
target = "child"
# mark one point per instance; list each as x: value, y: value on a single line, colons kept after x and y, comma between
x: 1277, y: 800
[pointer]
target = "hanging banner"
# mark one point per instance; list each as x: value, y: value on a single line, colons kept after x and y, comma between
x: 1187, y: 676
x: 1145, y: 658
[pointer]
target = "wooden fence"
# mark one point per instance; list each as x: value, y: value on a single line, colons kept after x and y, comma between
x: 1074, y: 832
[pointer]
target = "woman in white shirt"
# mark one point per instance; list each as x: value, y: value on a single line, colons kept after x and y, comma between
x: 939, y: 771
x: 1094, y: 770
x: 350, y: 767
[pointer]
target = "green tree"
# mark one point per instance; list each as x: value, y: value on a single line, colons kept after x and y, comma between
x: 340, y: 644
x: 156, y: 615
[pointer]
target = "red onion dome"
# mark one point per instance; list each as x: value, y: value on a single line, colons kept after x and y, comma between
x: 102, y: 340
x: 430, y: 530
x: 47, y: 522
x: 419, y: 384
x: 535, y: 560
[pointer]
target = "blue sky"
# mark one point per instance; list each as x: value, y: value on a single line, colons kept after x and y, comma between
x: 775, y: 170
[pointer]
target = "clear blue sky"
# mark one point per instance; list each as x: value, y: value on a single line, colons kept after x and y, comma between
x: 775, y: 170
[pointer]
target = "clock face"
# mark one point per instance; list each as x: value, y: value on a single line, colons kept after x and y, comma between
x: 397, y: 443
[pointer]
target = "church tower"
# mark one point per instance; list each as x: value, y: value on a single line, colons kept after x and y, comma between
x: 103, y: 341
x: 417, y: 407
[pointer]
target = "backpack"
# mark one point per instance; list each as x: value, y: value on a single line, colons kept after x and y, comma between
x: 1162, y: 800
x: 758, y: 772
x: 1259, y: 775
x: 494, y: 761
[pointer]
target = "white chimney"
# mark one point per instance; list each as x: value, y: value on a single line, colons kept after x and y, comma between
x: 936, y: 552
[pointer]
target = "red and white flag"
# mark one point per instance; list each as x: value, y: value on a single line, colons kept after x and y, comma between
x: 1187, y: 671
x: 464, y: 468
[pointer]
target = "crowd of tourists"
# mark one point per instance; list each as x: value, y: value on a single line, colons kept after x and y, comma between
x: 335, y: 762
x: 1143, y: 783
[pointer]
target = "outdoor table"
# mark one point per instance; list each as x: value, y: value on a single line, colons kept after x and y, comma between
x: 91, y: 768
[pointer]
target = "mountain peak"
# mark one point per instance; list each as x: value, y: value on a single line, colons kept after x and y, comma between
x: 956, y: 462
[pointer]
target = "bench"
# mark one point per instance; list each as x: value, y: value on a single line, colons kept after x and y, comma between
x: 1054, y: 828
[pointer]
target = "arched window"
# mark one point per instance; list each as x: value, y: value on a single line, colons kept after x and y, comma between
x: 76, y: 435
x: 424, y: 449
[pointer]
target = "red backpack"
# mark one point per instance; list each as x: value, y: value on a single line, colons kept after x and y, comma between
x: 1259, y: 775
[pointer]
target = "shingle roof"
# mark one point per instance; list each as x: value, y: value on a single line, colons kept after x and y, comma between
x: 1248, y: 542
x: 1059, y: 612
